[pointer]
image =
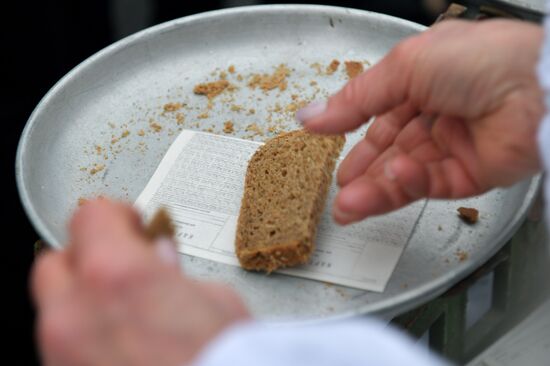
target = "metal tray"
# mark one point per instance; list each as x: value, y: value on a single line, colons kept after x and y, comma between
x: 125, y: 86
x: 538, y: 6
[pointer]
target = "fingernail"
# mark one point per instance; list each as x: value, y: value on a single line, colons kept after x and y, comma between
x: 310, y: 111
x: 166, y: 250
x: 389, y: 170
x: 341, y: 216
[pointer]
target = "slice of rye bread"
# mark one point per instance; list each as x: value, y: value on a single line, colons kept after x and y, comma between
x: 286, y: 187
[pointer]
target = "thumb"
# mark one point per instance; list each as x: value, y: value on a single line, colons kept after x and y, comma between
x: 376, y: 91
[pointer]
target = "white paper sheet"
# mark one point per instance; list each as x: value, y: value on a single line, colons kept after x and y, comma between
x: 200, y: 181
x: 528, y: 344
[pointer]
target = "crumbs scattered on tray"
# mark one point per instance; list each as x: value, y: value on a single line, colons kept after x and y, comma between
x: 268, y: 82
x: 255, y: 104
x: 461, y: 255
x: 353, y: 68
x: 254, y: 129
x: 155, y: 126
x: 211, y: 89
x: 96, y: 168
x: 180, y: 119
x: 332, y: 67
x: 172, y: 107
x: 468, y: 215
x: 228, y: 127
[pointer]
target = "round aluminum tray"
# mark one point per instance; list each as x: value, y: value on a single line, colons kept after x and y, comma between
x: 80, y: 124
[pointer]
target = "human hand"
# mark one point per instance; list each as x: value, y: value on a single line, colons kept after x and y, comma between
x: 111, y: 298
x: 457, y: 108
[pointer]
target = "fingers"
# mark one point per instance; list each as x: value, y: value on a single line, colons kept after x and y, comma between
x: 378, y: 90
x: 102, y: 219
x: 51, y: 278
x: 107, y: 245
x: 410, y: 175
x: 367, y: 196
x: 166, y: 250
x: 441, y: 179
x: 380, y: 135
x: 414, y: 166
x: 403, y: 180
x: 226, y: 298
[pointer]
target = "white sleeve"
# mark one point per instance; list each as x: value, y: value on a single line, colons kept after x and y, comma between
x: 345, y: 343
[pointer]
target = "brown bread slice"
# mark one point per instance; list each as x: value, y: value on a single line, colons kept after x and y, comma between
x: 285, y: 191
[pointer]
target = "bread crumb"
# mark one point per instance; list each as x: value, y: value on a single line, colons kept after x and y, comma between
x: 293, y: 107
x: 97, y: 168
x: 318, y: 68
x: 155, y: 126
x: 236, y: 108
x: 98, y: 149
x: 82, y: 201
x: 269, y: 82
x: 228, y: 127
x: 203, y: 115
x: 141, y: 133
x: 211, y: 89
x: 209, y: 104
x: 251, y: 111
x: 125, y: 134
x: 313, y: 83
x: 240, y: 77
x: 353, y: 68
x: 231, y: 69
x: 255, y: 129
x: 332, y: 67
x: 180, y: 118
x: 461, y: 255
x: 469, y: 215
x: 172, y: 107
x: 161, y: 225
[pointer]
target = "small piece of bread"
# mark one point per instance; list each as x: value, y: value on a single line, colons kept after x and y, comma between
x: 285, y: 191
x: 161, y: 225
x: 470, y: 215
